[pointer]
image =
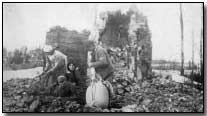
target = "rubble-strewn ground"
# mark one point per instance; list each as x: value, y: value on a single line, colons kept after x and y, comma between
x: 157, y: 94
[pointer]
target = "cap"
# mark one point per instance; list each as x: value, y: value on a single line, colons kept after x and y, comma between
x: 61, y: 78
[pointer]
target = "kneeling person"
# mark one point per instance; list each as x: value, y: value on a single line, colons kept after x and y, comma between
x: 63, y: 87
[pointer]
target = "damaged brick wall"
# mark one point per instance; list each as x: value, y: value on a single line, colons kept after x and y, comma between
x: 125, y: 29
x: 71, y: 43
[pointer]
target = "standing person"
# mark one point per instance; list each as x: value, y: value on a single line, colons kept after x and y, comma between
x: 145, y: 62
x: 55, y: 65
x: 102, y: 65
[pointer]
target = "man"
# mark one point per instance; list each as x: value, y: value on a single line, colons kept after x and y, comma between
x: 55, y: 65
x: 102, y: 64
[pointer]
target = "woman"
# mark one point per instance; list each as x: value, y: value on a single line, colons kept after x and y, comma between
x: 73, y: 74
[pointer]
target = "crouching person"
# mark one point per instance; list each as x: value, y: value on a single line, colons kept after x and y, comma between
x: 62, y: 88
x: 55, y: 66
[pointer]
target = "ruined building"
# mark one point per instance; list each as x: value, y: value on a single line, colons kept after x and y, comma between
x: 130, y: 31
x: 127, y: 31
x: 140, y: 43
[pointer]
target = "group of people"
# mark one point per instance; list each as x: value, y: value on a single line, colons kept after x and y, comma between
x: 61, y: 78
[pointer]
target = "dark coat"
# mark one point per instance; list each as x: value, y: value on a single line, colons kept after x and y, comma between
x: 74, y: 76
x: 64, y: 90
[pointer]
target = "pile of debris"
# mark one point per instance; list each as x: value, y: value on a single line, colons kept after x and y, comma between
x: 158, y: 94
x: 20, y: 95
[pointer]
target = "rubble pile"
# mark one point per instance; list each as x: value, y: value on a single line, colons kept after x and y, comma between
x: 20, y: 95
x: 158, y: 94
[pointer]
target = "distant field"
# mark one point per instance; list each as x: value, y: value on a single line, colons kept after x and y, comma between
x: 30, y: 73
x: 175, y: 75
x: 20, y: 66
x: 24, y: 73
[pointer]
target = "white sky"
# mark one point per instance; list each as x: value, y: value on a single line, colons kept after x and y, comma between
x: 27, y: 24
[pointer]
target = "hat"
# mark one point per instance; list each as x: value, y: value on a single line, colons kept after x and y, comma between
x: 47, y: 48
x: 61, y: 79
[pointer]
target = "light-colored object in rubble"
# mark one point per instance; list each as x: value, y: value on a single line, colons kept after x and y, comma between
x: 131, y: 74
x: 91, y: 73
x: 175, y: 75
x: 139, y: 74
x: 97, y: 95
x: 129, y: 108
x: 132, y: 63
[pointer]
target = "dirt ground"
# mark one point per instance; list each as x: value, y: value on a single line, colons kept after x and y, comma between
x: 24, y: 73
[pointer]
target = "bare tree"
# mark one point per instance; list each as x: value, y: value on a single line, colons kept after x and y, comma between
x: 201, y: 44
x: 192, y: 52
x: 182, y: 52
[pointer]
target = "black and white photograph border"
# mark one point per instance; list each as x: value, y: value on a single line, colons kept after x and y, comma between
x: 103, y: 57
